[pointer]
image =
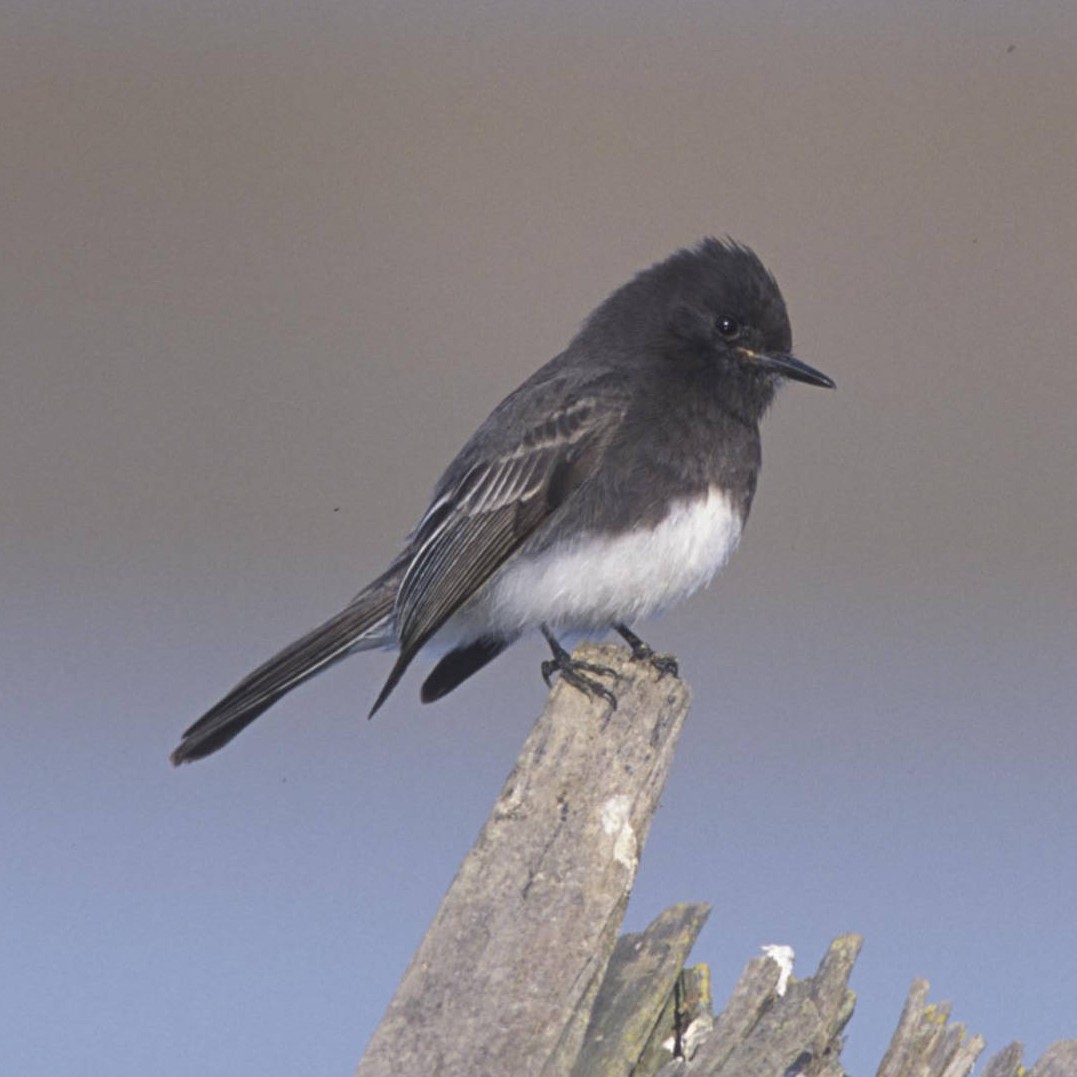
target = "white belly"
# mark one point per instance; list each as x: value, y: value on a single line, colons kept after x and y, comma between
x: 603, y: 579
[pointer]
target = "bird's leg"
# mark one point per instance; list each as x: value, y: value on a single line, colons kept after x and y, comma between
x: 573, y: 671
x: 664, y: 663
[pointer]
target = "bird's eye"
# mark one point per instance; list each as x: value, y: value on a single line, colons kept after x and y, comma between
x: 728, y: 327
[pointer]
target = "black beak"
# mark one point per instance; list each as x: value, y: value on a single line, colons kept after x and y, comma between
x: 788, y: 366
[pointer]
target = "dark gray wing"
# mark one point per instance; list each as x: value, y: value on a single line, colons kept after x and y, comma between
x: 484, y: 510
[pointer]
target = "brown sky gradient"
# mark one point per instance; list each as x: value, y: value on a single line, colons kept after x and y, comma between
x: 299, y: 242
x: 261, y: 278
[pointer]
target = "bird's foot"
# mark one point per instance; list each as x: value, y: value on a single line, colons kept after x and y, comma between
x: 666, y: 664
x: 574, y: 671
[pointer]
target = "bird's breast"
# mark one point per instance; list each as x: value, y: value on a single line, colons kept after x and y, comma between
x: 597, y: 578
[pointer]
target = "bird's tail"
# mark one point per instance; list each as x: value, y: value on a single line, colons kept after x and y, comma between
x: 366, y: 622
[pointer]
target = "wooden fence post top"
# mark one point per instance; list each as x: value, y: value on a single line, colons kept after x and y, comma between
x: 504, y: 980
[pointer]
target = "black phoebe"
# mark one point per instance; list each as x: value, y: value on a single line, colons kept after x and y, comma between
x: 612, y: 484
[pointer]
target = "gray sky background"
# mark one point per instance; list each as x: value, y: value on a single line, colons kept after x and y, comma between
x: 264, y: 270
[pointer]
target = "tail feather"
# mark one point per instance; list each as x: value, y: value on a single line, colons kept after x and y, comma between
x: 364, y: 623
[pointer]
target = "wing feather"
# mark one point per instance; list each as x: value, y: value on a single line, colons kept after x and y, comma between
x: 499, y: 510
x: 478, y: 520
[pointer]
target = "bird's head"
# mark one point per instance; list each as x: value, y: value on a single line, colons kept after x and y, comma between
x: 725, y: 305
x: 713, y: 308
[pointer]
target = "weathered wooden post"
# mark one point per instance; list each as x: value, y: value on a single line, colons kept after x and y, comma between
x: 504, y: 980
x: 522, y: 973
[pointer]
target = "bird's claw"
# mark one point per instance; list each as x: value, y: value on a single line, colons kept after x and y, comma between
x: 665, y: 664
x: 574, y: 671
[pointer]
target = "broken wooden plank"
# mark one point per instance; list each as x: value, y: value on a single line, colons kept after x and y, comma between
x: 926, y: 1044
x: 637, y: 989
x: 504, y: 981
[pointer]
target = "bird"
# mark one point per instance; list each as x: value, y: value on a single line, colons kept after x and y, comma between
x: 609, y: 486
